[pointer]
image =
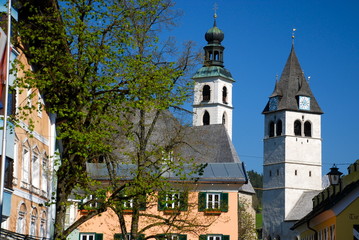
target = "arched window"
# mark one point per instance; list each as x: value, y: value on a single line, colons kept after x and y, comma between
x: 224, y: 95
x: 279, y: 128
x: 33, y: 222
x: 224, y: 119
x: 206, y: 118
x: 43, y: 232
x: 297, y: 128
x: 21, y: 219
x: 271, y: 129
x: 307, y: 129
x: 206, y: 93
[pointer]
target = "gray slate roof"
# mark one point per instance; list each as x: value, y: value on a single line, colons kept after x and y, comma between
x: 213, y: 172
x: 292, y: 84
x: 303, y: 206
x: 208, y: 144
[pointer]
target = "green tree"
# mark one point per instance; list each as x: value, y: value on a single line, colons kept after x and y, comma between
x: 257, y: 182
x: 96, y: 62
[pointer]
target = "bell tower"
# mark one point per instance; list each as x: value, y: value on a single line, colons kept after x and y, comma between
x: 213, y: 85
x: 292, y: 149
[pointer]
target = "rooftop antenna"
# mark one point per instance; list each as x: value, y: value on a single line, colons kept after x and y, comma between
x: 293, y: 37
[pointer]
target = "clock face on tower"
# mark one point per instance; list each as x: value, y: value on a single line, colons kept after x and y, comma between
x: 304, y: 103
x: 273, y: 103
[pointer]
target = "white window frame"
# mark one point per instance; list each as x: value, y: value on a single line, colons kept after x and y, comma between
x: 214, y: 237
x: 128, y: 203
x: 35, y: 170
x: 44, y: 175
x: 173, y: 200
x: 87, y: 236
x: 40, y: 105
x: 25, y: 165
x: 213, y: 200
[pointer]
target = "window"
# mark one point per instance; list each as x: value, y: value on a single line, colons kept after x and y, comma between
x: 224, y: 118
x: 21, y: 219
x: 271, y: 129
x: 175, y: 200
x: 295, y: 172
x: 307, y: 129
x: 170, y: 236
x: 26, y: 165
x: 40, y: 105
x: 206, y: 93
x: 91, y: 236
x: 310, y: 173
x: 206, y: 118
x: 35, y: 171
x: 279, y: 128
x: 43, y: 232
x: 214, y: 237
x: 208, y: 201
x: 33, y: 222
x: 128, y: 203
x: 297, y: 128
x: 224, y: 95
x: 9, y: 168
x: 44, y: 176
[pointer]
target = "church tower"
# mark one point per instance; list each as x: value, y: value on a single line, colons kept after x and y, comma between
x: 292, y: 150
x: 213, y: 85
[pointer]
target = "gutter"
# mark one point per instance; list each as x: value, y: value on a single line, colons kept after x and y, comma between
x: 315, y: 232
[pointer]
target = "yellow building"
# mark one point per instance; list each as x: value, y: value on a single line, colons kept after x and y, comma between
x: 335, y: 213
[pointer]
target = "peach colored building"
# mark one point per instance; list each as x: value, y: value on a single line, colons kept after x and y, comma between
x: 211, y: 205
x: 28, y: 182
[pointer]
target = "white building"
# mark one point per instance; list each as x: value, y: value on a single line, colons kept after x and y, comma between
x: 292, y: 151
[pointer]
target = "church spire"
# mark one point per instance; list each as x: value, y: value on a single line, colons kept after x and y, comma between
x: 292, y: 86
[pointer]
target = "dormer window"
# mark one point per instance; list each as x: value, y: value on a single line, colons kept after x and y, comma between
x: 206, y: 93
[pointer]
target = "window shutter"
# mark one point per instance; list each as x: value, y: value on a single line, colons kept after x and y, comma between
x: 201, y: 202
x: 225, y: 237
x: 98, y: 236
x: 224, y: 202
x: 183, y: 201
x: 118, y: 236
x: 161, y: 201
x: 182, y: 237
x: 142, y: 205
x: 202, y: 237
x: 161, y: 236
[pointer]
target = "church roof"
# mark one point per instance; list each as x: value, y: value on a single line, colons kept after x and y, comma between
x: 292, y: 84
x: 303, y: 206
x: 213, y: 71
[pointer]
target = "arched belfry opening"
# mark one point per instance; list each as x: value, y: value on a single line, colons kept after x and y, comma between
x: 206, y: 118
x: 279, y: 128
x: 271, y: 129
x: 307, y: 129
x: 224, y: 95
x: 297, y: 128
x: 206, y: 93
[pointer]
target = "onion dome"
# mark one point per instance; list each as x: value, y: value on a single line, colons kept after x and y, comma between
x: 214, y: 34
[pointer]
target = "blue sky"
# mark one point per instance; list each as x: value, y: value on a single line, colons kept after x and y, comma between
x: 257, y: 43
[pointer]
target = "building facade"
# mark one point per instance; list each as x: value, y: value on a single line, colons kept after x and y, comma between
x: 335, y: 211
x: 292, y: 149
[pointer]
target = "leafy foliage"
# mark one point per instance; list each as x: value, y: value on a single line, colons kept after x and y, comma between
x: 105, y: 75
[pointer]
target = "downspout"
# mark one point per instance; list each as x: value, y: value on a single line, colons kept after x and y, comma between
x: 315, y: 231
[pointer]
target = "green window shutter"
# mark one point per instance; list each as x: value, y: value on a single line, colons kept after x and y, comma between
x: 183, y: 201
x: 118, y: 236
x: 182, y: 237
x: 98, y: 236
x: 225, y: 237
x: 224, y: 202
x: 142, y: 236
x: 201, y: 202
x: 161, y: 201
x: 161, y: 236
x: 202, y: 237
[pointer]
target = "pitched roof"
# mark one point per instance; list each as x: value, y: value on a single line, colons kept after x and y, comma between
x: 292, y: 84
x: 213, y: 172
x: 303, y: 206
